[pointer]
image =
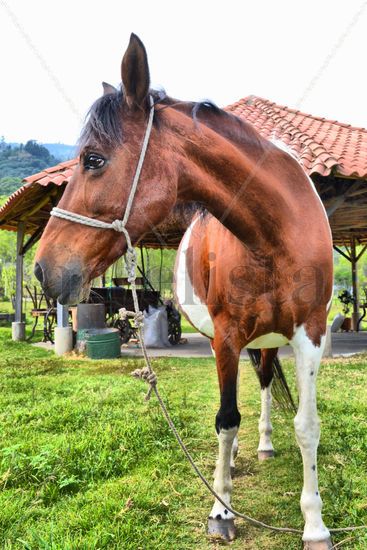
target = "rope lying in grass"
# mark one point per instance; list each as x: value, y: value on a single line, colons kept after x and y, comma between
x: 148, y: 375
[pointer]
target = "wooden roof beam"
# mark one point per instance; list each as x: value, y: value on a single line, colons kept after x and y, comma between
x: 342, y: 253
x: 37, y: 207
x: 32, y: 240
x: 340, y: 199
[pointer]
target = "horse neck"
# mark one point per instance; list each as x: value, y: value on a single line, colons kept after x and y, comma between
x: 231, y: 172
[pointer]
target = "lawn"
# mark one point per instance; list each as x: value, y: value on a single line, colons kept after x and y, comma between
x: 87, y: 464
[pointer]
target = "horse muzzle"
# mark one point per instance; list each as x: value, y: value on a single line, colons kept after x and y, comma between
x: 64, y: 284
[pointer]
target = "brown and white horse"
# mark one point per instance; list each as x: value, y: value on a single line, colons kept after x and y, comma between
x: 198, y: 152
x: 217, y: 287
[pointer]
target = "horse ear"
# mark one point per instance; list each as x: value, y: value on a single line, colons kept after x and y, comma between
x: 108, y: 88
x: 135, y: 72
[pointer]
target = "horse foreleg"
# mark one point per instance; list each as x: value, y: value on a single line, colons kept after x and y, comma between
x: 221, y: 520
x: 265, y: 449
x: 307, y: 426
x: 234, y: 451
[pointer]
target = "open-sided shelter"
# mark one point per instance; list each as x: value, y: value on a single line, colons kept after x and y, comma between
x: 333, y: 154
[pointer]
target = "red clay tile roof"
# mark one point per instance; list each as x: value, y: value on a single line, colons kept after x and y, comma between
x: 33, y: 193
x: 321, y: 145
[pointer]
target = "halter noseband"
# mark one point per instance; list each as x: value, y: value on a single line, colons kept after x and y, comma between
x: 116, y: 225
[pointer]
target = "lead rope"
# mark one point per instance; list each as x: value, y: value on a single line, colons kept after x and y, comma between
x: 147, y: 374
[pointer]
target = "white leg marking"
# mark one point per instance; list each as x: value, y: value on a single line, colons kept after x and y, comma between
x: 307, y: 426
x: 265, y: 427
x: 222, y: 477
x: 234, y: 452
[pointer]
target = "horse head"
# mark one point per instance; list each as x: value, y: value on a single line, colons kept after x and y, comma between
x: 70, y: 255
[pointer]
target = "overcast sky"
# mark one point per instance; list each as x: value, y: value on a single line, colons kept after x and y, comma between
x: 54, y: 55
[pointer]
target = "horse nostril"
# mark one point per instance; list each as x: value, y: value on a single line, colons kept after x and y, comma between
x: 38, y: 271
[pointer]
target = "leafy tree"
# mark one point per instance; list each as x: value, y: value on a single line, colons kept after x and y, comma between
x: 9, y: 184
x: 36, y: 150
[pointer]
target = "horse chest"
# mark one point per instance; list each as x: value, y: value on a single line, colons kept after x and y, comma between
x: 193, y: 308
x: 197, y: 311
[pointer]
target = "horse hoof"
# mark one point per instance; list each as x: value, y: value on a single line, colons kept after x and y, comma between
x: 264, y: 455
x: 221, y: 528
x: 318, y: 545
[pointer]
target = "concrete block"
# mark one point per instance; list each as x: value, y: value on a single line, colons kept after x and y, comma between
x: 18, y: 331
x: 63, y: 340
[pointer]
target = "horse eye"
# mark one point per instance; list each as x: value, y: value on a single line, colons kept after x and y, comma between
x: 92, y: 161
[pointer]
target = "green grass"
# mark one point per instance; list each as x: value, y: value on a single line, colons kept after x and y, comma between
x: 87, y: 464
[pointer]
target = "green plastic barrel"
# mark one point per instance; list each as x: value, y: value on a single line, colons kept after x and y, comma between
x: 103, y: 343
x: 80, y: 336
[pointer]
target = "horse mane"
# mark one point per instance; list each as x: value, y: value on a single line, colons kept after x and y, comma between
x: 103, y: 121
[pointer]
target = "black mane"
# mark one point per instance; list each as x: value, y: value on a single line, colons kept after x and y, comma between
x: 103, y: 122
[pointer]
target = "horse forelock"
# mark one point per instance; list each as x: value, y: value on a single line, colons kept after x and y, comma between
x: 103, y: 124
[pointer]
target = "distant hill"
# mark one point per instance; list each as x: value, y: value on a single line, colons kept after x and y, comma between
x: 20, y: 161
x: 61, y: 150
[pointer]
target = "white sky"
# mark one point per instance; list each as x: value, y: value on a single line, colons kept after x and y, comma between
x: 54, y: 55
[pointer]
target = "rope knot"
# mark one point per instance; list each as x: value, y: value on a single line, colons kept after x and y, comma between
x: 148, y: 376
x: 138, y: 317
x: 118, y: 225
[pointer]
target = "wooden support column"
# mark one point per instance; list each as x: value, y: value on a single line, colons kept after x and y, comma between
x: 19, y: 274
x: 354, y: 260
x: 18, y: 326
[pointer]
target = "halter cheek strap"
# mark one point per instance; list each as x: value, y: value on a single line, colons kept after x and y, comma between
x: 116, y: 225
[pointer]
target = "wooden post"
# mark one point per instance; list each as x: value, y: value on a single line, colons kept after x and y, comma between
x: 19, y: 274
x: 18, y: 327
x: 354, y: 264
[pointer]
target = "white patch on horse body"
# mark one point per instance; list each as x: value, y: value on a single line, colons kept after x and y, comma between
x: 307, y: 427
x: 190, y: 303
x: 270, y: 340
x: 222, y: 477
x: 265, y: 427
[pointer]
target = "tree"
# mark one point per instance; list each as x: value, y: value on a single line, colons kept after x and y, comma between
x: 36, y: 150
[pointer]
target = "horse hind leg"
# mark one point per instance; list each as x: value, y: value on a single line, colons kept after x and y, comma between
x: 227, y: 351
x: 262, y: 362
x: 307, y: 426
x: 265, y: 449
